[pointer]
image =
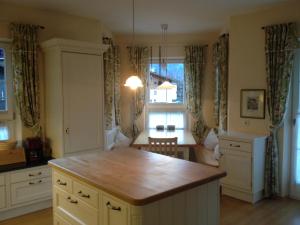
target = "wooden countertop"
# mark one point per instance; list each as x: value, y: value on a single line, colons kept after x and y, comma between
x: 135, y: 176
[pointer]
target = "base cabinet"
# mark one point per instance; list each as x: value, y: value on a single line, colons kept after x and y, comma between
x: 24, y: 191
x: 243, y: 158
x: 2, y: 197
x: 114, y: 212
x: 28, y: 191
x: 75, y: 205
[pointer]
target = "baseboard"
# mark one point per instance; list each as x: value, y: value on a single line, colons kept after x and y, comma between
x: 11, y: 213
x: 242, y: 195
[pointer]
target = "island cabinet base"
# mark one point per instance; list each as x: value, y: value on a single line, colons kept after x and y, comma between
x: 76, y: 202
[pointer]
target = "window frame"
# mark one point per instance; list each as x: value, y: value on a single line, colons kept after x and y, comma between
x: 166, y: 107
x: 9, y: 113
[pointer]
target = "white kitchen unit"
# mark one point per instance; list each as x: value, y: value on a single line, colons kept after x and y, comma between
x: 130, y: 187
x: 73, y: 96
x: 25, y: 190
x: 243, y: 159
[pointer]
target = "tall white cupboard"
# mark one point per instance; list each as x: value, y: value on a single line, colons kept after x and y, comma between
x: 73, y: 96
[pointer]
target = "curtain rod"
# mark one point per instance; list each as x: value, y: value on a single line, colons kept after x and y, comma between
x: 265, y: 26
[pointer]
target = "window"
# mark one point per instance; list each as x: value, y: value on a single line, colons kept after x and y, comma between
x: 3, y: 89
x: 166, y: 118
x: 175, y: 75
x: 166, y: 107
x: 295, y: 168
x: 6, y: 109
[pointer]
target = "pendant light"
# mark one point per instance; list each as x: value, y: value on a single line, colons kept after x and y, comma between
x: 166, y: 85
x: 133, y: 81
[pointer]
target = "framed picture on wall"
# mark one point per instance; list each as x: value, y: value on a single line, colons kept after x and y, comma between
x: 253, y: 103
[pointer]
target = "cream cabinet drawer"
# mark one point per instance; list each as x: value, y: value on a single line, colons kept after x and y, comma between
x: 236, y: 145
x: 73, y: 210
x: 30, y: 190
x: 30, y: 174
x: 63, y: 182
x: 2, y: 180
x: 2, y: 197
x: 60, y: 221
x: 86, y: 193
x: 114, y: 212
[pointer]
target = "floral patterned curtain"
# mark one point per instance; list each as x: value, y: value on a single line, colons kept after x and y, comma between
x: 111, y: 59
x: 280, y: 42
x: 139, y: 60
x: 195, y: 61
x: 25, y: 74
x: 221, y: 61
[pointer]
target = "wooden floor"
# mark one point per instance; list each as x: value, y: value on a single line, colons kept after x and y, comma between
x: 233, y: 212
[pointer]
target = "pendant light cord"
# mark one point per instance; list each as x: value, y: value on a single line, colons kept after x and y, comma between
x: 133, y: 25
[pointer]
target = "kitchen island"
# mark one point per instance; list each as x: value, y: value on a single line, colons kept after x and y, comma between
x: 132, y: 187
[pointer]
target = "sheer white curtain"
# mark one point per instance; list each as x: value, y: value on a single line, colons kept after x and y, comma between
x: 166, y: 118
x: 295, y: 186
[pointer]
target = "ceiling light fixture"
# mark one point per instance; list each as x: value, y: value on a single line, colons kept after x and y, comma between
x: 133, y: 81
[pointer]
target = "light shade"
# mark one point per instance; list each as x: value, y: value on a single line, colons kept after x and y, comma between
x: 166, y: 85
x: 133, y: 82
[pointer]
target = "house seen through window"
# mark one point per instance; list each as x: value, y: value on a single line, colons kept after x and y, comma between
x: 175, y: 75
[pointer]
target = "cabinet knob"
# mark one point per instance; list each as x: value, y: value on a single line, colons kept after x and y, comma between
x: 61, y: 183
x: 83, y: 195
x: 33, y: 175
x: 110, y: 206
x: 68, y: 131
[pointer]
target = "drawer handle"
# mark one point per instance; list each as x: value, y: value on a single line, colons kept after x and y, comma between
x: 236, y: 146
x: 61, y: 183
x: 33, y: 183
x: 72, y: 201
x: 33, y: 175
x: 83, y: 195
x: 110, y: 206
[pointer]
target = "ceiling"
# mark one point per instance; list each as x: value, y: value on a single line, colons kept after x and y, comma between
x: 183, y: 16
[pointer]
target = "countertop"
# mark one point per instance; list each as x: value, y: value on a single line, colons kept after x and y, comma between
x: 135, y: 176
x: 8, y: 168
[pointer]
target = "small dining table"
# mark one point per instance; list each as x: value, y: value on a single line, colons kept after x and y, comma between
x: 185, y: 139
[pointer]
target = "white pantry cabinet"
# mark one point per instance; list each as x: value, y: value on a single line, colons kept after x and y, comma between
x: 243, y: 159
x: 73, y: 96
x: 25, y: 190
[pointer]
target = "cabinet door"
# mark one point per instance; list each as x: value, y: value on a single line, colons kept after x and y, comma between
x: 73, y: 210
x: 238, y: 166
x: 83, y: 104
x: 32, y: 190
x: 59, y: 221
x: 2, y: 197
x: 114, y: 212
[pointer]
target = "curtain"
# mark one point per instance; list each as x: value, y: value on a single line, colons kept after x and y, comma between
x: 195, y: 60
x: 25, y: 74
x: 139, y: 60
x: 220, y: 62
x: 111, y: 59
x: 280, y: 42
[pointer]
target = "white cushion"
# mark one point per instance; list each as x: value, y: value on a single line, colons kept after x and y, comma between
x: 206, y: 156
x: 121, y: 140
x: 211, y: 140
